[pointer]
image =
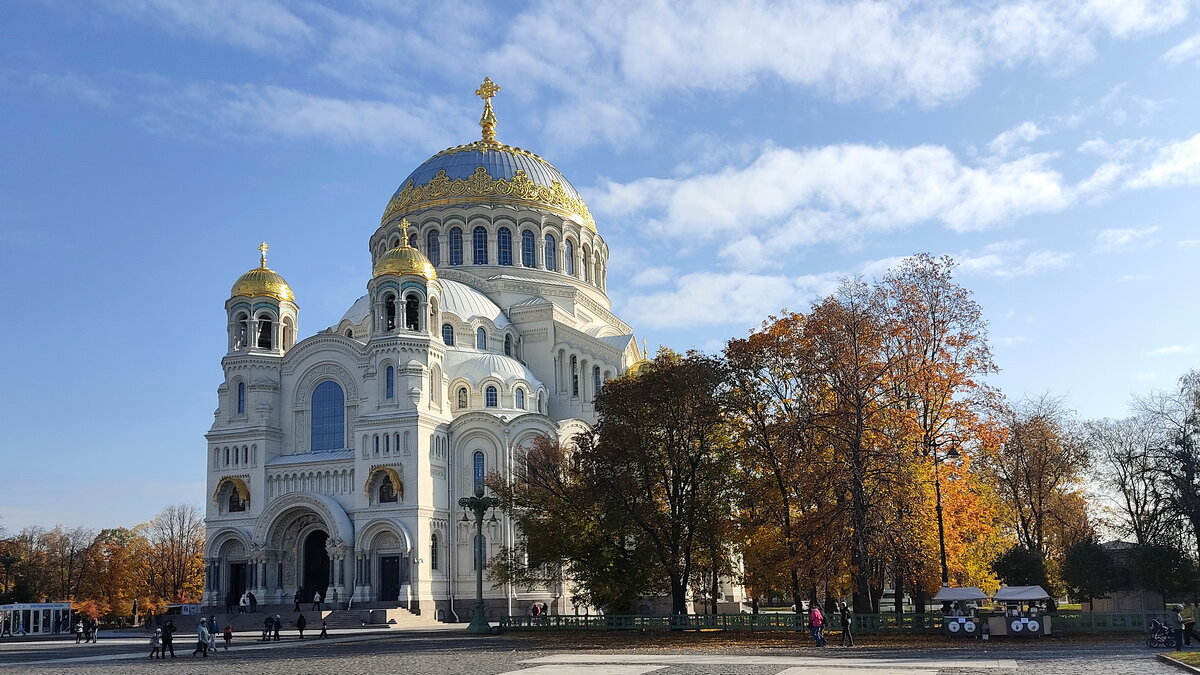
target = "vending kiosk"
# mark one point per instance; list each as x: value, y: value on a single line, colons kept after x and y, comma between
x: 960, y: 610
x: 1024, y: 612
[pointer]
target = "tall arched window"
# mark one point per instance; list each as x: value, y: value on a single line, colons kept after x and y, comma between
x: 478, y: 471
x: 542, y: 402
x: 504, y: 246
x: 479, y: 246
x: 242, y: 340
x: 433, y: 248
x: 569, y: 257
x: 241, y: 398
x: 490, y: 398
x: 265, y: 331
x: 574, y: 376
x: 390, y: 382
x: 389, y: 312
x: 328, y: 428
x: 448, y: 334
x: 456, y: 246
x: 462, y: 397
x: 520, y: 398
x: 413, y: 240
x: 507, y: 344
x: 481, y: 339
x: 434, y: 551
x: 551, y: 253
x: 527, y: 250
x: 412, y: 312
x: 587, y: 263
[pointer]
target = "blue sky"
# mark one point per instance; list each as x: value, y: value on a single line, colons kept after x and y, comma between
x: 739, y: 157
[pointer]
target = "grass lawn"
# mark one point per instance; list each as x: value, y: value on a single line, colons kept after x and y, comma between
x: 1190, y: 658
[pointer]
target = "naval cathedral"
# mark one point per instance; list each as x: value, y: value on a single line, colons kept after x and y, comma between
x: 335, y: 462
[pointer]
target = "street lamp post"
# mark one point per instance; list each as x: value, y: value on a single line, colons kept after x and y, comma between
x: 937, y: 490
x: 479, y: 505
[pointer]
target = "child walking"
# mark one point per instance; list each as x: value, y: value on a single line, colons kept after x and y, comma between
x: 156, y: 643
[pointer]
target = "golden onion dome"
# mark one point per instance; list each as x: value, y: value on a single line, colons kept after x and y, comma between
x: 637, y: 366
x: 262, y: 281
x: 404, y: 259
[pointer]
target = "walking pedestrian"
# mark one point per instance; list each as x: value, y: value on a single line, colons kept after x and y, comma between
x: 276, y: 625
x: 78, y: 631
x: 301, y: 622
x: 156, y: 643
x: 168, y: 639
x: 95, y: 629
x: 1189, y: 623
x: 201, y: 638
x: 268, y: 623
x: 816, y: 624
x: 1180, y: 633
x: 296, y: 601
x: 317, y: 601
x: 324, y: 629
x: 847, y: 619
x: 243, y: 603
x: 230, y: 601
x: 228, y: 636
x: 212, y: 634
x: 253, y: 603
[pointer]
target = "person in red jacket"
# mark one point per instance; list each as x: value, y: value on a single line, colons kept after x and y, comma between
x: 816, y: 624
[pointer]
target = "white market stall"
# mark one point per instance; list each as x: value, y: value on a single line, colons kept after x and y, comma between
x: 1024, y: 612
x: 961, y: 618
x: 36, y: 618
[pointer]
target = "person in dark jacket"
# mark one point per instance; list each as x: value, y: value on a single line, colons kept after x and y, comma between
x: 296, y: 601
x: 301, y: 622
x: 847, y: 619
x: 268, y: 624
x: 168, y: 639
x: 253, y: 604
x: 276, y: 625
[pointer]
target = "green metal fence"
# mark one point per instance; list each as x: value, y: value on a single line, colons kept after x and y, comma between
x: 1063, y: 623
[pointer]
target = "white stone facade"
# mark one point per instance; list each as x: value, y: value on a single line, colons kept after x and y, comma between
x: 531, y: 344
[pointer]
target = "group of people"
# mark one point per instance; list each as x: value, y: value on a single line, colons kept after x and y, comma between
x: 246, y: 604
x: 817, y: 622
x: 163, y: 641
x: 1185, y: 625
x: 86, y: 629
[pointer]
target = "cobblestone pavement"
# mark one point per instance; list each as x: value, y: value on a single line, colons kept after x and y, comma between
x: 448, y: 653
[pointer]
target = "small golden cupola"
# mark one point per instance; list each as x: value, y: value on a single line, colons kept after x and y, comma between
x: 404, y: 259
x: 263, y: 281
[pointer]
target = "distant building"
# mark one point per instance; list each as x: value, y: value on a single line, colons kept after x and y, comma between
x: 1126, y: 599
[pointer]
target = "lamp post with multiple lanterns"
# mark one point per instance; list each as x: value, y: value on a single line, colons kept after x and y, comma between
x: 478, y: 505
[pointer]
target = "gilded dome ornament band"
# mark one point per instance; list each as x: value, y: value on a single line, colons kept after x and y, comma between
x: 442, y: 191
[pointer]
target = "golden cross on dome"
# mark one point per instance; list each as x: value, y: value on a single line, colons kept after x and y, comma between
x: 262, y: 258
x: 488, y: 121
x: 403, y: 232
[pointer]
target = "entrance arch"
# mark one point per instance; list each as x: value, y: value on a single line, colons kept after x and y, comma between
x: 314, y: 566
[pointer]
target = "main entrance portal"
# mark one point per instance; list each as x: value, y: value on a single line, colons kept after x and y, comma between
x: 389, y: 577
x: 315, y: 578
x: 237, y: 582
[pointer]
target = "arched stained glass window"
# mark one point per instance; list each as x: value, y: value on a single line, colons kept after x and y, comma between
x: 491, y: 400
x: 507, y: 344
x: 504, y: 246
x: 328, y: 428
x: 574, y: 376
x: 551, y: 253
x: 433, y: 248
x: 596, y: 381
x: 241, y: 398
x: 520, y: 398
x: 569, y: 257
x: 448, y: 334
x: 481, y: 339
x: 527, y: 251
x: 391, y: 382
x: 456, y: 247
x: 462, y: 397
x: 478, y: 471
x: 479, y: 246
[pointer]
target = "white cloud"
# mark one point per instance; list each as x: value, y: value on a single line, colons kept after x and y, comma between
x: 1173, y: 350
x: 1008, y: 259
x: 834, y: 193
x: 735, y: 298
x: 1127, y: 18
x: 1118, y: 238
x: 1177, y: 163
x: 258, y: 25
x: 1188, y: 50
x: 1115, y: 149
x: 652, y: 276
x: 278, y: 112
x: 1004, y: 144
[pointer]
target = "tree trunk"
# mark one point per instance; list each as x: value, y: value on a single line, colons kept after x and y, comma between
x: 899, y: 597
